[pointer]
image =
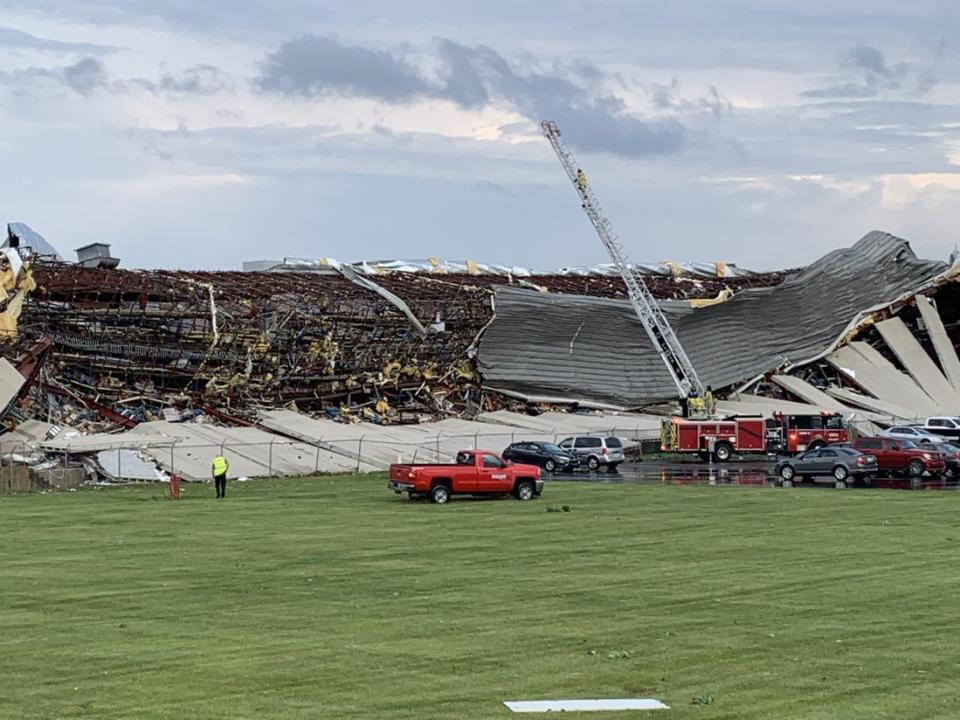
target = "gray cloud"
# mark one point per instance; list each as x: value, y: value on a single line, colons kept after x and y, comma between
x: 875, y: 76
x: 11, y: 37
x: 84, y: 77
x: 197, y: 80
x: 312, y: 65
x: 89, y: 75
x: 472, y: 77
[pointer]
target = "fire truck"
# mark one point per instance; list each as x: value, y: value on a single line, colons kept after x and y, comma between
x: 798, y: 433
x: 783, y: 433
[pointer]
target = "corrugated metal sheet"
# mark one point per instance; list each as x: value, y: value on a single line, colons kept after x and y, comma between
x: 30, y: 238
x: 595, y: 349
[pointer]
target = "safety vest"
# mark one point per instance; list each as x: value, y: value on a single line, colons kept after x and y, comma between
x: 220, y: 465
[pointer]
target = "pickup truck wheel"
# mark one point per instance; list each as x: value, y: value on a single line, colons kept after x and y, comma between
x: 840, y: 473
x: 593, y: 463
x: 550, y: 465
x: 915, y: 468
x: 440, y: 494
x: 525, y: 490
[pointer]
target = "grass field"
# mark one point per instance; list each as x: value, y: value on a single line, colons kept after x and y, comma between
x: 331, y: 598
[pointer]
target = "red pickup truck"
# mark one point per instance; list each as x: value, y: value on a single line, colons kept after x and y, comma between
x: 902, y: 456
x: 475, y: 472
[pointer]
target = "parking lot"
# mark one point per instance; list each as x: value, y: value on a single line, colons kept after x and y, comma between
x: 753, y: 472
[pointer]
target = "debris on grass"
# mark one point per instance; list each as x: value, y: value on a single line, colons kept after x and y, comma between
x: 702, y: 700
x: 618, y: 654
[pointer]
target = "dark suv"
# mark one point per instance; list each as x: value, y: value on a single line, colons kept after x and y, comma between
x: 546, y: 455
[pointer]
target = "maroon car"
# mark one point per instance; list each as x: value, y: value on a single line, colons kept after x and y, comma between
x: 902, y: 457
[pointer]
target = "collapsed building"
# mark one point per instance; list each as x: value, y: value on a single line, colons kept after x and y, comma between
x: 294, y: 349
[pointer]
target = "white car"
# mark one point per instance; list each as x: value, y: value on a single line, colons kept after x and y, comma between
x: 947, y: 427
x: 906, y: 432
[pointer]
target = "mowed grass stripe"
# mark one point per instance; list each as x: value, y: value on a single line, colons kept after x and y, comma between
x: 328, y: 597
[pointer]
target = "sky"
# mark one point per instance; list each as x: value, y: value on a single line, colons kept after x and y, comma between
x: 193, y: 134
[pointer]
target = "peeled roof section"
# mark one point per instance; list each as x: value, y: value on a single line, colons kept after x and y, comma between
x: 595, y: 350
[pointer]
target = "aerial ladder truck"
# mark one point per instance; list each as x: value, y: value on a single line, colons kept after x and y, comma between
x: 693, y: 396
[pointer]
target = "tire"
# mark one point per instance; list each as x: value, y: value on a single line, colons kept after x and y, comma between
x: 550, y: 465
x: 840, y: 473
x: 840, y: 484
x: 723, y: 452
x: 440, y: 494
x: 786, y: 483
x: 916, y: 482
x: 915, y: 469
x: 593, y: 463
x: 525, y: 490
x: 787, y: 473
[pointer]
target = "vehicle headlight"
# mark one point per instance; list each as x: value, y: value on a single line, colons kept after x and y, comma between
x: 928, y: 456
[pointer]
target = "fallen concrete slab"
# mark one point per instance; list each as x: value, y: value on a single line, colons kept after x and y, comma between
x: 813, y: 395
x: 875, y: 374
x: 942, y: 344
x: 880, y: 407
x: 919, y: 365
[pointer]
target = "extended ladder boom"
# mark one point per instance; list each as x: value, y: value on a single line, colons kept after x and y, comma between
x: 661, y: 334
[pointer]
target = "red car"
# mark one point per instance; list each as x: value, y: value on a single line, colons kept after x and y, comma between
x: 476, y: 472
x: 902, y: 457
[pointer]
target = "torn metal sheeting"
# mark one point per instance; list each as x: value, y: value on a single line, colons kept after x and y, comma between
x: 596, y: 349
x: 75, y: 443
x: 544, y: 706
x: 126, y: 466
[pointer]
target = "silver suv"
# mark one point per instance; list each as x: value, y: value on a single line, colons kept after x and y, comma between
x: 595, y: 450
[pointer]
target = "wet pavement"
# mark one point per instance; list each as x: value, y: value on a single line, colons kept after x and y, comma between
x: 757, y: 473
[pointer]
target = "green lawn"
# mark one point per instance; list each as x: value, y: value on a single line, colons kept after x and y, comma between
x: 331, y: 598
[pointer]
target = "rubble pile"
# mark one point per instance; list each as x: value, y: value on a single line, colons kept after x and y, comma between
x: 135, y: 346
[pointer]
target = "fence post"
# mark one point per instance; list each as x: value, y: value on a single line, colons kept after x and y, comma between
x: 316, y: 465
x: 173, y: 445
x: 476, y: 445
x: 118, y: 464
x: 438, y: 447
x: 270, y: 459
x: 359, y: 451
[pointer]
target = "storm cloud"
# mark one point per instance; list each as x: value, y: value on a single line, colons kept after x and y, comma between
x: 472, y: 77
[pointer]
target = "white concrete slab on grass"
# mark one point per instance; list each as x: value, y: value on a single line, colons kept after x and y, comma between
x: 545, y: 706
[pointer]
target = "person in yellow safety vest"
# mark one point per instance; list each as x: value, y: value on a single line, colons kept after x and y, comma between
x: 219, y: 468
x: 710, y: 402
x: 581, y: 179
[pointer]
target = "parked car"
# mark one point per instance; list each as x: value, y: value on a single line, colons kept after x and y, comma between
x: 475, y: 472
x: 951, y: 455
x: 595, y: 451
x: 548, y: 456
x: 841, y: 463
x: 909, y: 432
x: 948, y: 427
x: 902, y: 457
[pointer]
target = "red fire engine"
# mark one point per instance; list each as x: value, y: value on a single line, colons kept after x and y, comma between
x: 784, y: 433
x: 798, y: 433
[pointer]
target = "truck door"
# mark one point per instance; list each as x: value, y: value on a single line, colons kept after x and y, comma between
x: 492, y: 475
